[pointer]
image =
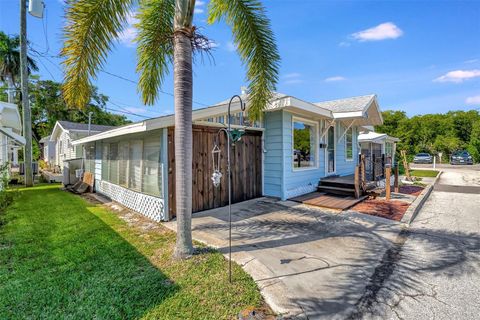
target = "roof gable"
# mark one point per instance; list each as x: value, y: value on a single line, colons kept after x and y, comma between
x: 75, y: 126
x: 353, y: 104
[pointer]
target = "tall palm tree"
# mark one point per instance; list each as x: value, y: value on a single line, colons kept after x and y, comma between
x: 10, y: 62
x: 166, y: 35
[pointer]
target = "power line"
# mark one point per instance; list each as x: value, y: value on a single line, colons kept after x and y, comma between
x: 113, y: 75
x: 125, y: 111
x: 136, y: 82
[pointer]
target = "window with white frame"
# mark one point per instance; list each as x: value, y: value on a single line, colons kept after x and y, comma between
x: 304, y: 144
x: 349, y: 144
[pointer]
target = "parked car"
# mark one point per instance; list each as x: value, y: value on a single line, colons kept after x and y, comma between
x: 461, y: 157
x: 423, y: 158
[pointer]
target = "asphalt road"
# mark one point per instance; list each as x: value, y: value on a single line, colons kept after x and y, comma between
x: 434, y: 270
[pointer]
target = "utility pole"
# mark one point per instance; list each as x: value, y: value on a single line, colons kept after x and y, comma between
x: 27, y: 116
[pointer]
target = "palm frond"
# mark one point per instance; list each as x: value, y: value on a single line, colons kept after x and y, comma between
x: 155, y: 46
x: 91, y: 27
x: 256, y: 46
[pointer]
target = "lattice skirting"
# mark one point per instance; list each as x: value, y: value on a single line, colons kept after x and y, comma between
x: 149, y: 206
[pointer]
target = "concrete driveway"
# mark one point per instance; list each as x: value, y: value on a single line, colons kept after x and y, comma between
x: 307, y: 263
x: 436, y: 273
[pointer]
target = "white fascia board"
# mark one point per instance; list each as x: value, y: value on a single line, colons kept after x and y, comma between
x: 128, y: 129
x: 223, y: 125
x: 349, y: 115
x: 54, y: 131
x: 289, y: 101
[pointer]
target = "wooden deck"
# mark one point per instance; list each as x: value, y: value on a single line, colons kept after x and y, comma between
x: 320, y: 199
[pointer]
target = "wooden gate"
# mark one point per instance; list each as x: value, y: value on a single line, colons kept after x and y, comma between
x: 246, y: 162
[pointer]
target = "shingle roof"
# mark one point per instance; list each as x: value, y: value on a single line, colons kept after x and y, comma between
x: 348, y: 104
x: 67, y: 125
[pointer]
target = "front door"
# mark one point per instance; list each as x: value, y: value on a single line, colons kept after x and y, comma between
x: 331, y: 150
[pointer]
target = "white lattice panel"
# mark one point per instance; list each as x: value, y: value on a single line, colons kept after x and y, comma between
x: 149, y: 206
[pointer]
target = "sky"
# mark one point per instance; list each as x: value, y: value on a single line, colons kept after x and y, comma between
x: 416, y: 56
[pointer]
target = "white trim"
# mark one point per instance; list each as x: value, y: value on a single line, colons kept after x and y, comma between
x: 9, y: 133
x: 128, y: 129
x: 325, y: 130
x: 292, y: 102
x: 349, y: 115
x: 315, y: 143
x: 334, y: 153
x: 346, y: 129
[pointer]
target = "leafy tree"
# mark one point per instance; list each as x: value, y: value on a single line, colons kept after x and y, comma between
x: 474, y: 144
x: 433, y: 132
x: 10, y: 62
x: 48, y: 106
x: 167, y: 36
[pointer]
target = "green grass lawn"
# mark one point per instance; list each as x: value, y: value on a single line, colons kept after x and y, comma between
x: 63, y: 257
x: 423, y: 173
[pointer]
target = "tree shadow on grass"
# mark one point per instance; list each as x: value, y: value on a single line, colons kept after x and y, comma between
x: 58, y: 260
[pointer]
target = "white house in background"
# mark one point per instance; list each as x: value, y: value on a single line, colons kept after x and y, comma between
x: 10, y: 133
x: 48, y: 150
x: 374, y: 144
x: 64, y: 132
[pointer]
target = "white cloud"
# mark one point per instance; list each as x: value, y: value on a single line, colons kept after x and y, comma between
x: 344, y: 44
x: 472, y: 61
x: 291, y: 75
x: 458, y: 76
x: 292, y: 78
x: 127, y: 36
x: 213, y: 44
x: 293, y: 81
x: 387, y: 30
x: 230, y: 46
x: 335, y: 79
x: 473, y: 100
x: 199, y: 7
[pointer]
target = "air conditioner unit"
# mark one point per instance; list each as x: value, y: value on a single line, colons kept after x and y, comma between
x: 35, y: 8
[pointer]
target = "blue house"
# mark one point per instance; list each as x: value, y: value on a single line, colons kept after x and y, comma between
x: 283, y: 155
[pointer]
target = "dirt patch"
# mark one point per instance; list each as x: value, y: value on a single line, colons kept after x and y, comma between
x: 393, y: 210
x: 413, y: 190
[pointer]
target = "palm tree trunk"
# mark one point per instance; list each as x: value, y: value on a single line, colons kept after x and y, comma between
x: 183, y: 91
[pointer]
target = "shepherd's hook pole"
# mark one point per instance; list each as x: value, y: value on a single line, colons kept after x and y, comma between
x: 229, y: 136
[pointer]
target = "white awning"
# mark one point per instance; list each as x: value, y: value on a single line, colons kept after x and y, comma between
x: 9, y: 116
x: 16, y: 137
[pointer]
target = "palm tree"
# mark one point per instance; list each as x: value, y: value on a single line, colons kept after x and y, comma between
x: 166, y: 35
x: 10, y: 62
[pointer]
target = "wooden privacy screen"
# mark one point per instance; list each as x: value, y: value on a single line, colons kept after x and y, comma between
x: 246, y: 162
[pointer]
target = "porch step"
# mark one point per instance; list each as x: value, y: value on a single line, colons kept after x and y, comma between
x: 343, y: 184
x: 336, y: 190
